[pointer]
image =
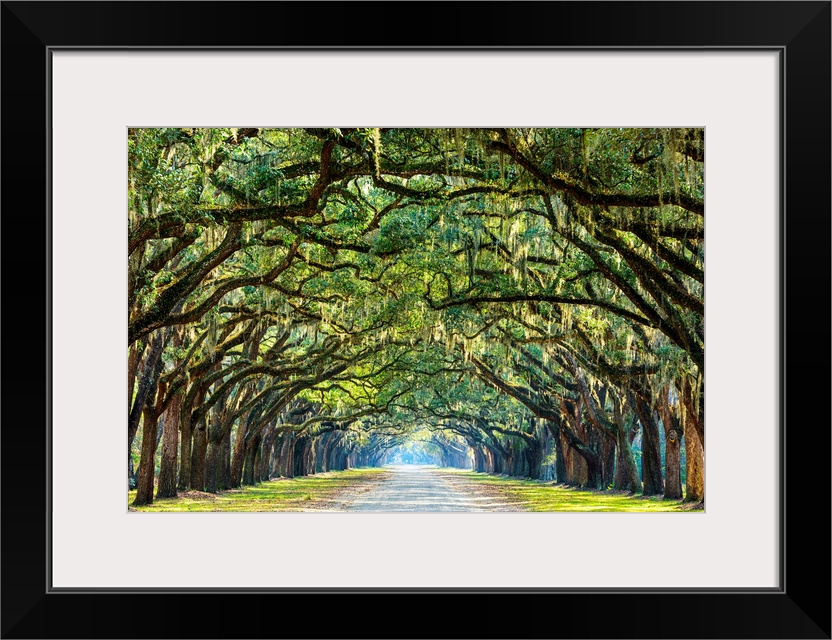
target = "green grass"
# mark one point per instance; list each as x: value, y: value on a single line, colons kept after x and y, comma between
x: 322, y: 492
x: 313, y: 493
x: 539, y: 495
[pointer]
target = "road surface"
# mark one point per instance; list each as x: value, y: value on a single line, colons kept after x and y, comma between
x: 425, y: 488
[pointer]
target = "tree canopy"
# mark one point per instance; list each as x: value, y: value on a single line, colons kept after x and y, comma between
x: 523, y: 301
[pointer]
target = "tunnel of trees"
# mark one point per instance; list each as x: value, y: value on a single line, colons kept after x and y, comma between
x: 517, y: 301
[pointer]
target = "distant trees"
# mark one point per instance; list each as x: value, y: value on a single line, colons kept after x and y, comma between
x: 527, y: 301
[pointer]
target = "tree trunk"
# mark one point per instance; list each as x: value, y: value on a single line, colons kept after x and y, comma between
x: 198, y: 457
x: 288, y: 455
x: 309, y: 458
x: 133, y: 360
x: 248, y: 468
x: 498, y: 461
x: 185, y: 444
x: 249, y: 460
x: 593, y: 472
x: 261, y: 464
x: 170, y: 443
x: 224, y: 481
x: 583, y: 465
x: 673, y: 465
x: 535, y: 457
x: 694, y: 427
x: 146, y: 390
x: 322, y: 464
x: 194, y: 396
x: 332, y: 455
x: 694, y: 464
x: 548, y: 454
x: 596, y: 440
x: 263, y: 468
x: 144, y: 490
x: 480, y: 460
x: 626, y: 469
x: 343, y: 461
x: 212, y: 457
x: 695, y: 407
x: 238, y: 456
x: 608, y: 455
x: 672, y: 449
x: 284, y: 453
x: 152, y: 410
x: 298, y: 457
x: 560, y: 452
x: 626, y: 477
x: 651, y: 457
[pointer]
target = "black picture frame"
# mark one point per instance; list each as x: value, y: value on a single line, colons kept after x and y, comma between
x: 800, y: 608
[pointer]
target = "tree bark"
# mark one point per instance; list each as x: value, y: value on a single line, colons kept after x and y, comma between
x: 608, y: 457
x: 322, y: 464
x: 584, y: 469
x: 479, y: 460
x: 250, y: 460
x: 560, y: 452
x: 267, y: 446
x: 626, y: 475
x: 185, y: 446
x: 152, y: 410
x: 694, y: 465
x: 217, y: 424
x: 535, y: 457
x: 695, y: 407
x: 224, y: 481
x: 144, y: 490
x: 651, y: 457
x: 170, y: 443
x: 238, y: 455
x: 147, y: 388
x: 133, y: 359
x: 198, y: 457
x: 195, y: 395
x: 212, y: 458
x: 672, y: 448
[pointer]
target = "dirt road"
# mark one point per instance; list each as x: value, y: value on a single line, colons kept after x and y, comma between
x: 425, y: 488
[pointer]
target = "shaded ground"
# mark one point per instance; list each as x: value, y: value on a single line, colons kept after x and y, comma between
x: 320, y: 492
x: 541, y: 495
x: 425, y: 488
x: 410, y: 488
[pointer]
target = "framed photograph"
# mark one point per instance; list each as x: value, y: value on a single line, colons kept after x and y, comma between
x: 723, y: 109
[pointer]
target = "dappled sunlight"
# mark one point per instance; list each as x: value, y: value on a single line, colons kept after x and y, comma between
x: 535, y: 495
x: 423, y: 488
x: 521, y: 302
x: 307, y: 493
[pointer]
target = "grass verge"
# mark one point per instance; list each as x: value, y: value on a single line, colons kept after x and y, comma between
x: 321, y: 492
x: 541, y: 495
